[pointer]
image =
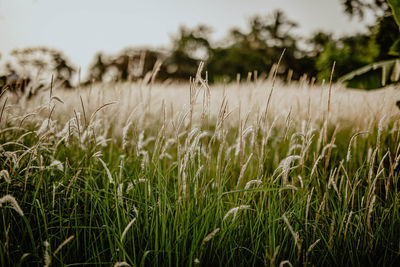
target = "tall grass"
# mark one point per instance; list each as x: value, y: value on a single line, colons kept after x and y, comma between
x: 186, y: 175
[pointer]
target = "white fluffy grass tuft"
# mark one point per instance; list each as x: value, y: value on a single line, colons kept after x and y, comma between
x: 122, y: 264
x: 14, y: 204
x: 5, y: 175
x: 234, y: 212
x: 210, y: 236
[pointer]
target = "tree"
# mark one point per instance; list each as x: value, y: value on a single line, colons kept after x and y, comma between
x: 189, y: 47
x: 97, y: 69
x: 259, y: 48
x: 349, y: 53
x: 34, y: 67
x: 360, y: 7
x: 130, y: 64
x: 387, y: 38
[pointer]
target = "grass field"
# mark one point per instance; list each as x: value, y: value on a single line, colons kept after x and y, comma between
x: 245, y: 174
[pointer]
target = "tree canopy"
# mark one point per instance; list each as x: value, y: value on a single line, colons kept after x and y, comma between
x: 255, y: 48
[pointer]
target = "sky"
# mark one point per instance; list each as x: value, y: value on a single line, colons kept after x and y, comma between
x: 80, y: 28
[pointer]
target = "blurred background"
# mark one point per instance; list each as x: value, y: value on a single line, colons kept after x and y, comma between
x: 83, y: 42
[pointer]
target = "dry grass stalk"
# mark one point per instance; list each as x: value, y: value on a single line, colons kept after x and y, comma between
x: 273, y: 85
x: 295, y: 235
x: 46, y: 256
x: 127, y: 229
x: 209, y: 237
x: 14, y: 204
x: 110, y: 178
x: 5, y: 175
x: 352, y: 139
x: 347, y: 225
x: 234, y: 211
x: 252, y: 182
x: 66, y: 241
x: 122, y: 264
x: 330, y: 88
x: 272, y: 260
x: 313, y: 245
x: 286, y: 262
x: 331, y: 231
x: 100, y: 108
x: 83, y: 110
x: 333, y: 139
x: 308, y: 206
x: 242, y: 171
x: 2, y: 109
x: 369, y: 214
x: 380, y: 129
x: 57, y: 99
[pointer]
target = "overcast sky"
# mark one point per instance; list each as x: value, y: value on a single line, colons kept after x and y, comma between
x: 82, y: 27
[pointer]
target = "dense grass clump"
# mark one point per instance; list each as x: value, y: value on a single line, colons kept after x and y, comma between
x: 146, y: 181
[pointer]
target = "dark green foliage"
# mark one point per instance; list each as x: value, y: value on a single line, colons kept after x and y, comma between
x: 39, y: 62
x: 395, y: 6
x: 227, y: 62
x: 360, y: 7
x: 130, y: 64
x: 386, y: 36
x: 190, y: 46
x: 349, y: 53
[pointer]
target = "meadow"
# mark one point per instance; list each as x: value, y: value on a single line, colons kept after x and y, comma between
x: 256, y: 173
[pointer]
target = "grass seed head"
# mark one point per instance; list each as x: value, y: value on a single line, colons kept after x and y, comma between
x: 234, y: 211
x: 209, y: 236
x: 14, y: 204
x: 46, y: 256
x: 122, y: 264
x: 5, y: 175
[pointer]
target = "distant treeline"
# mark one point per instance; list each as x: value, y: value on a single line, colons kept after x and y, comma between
x: 254, y: 50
